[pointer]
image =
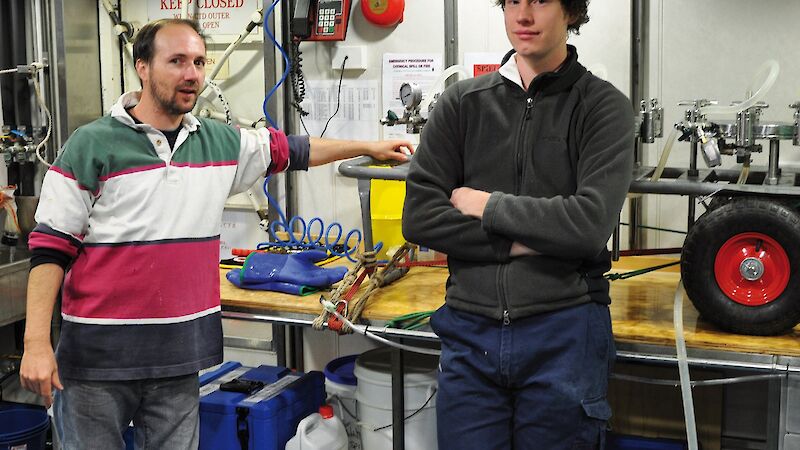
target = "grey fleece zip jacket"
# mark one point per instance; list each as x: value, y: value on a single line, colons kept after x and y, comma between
x: 557, y: 160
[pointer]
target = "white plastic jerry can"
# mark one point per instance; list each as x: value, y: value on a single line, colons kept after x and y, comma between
x: 319, y: 431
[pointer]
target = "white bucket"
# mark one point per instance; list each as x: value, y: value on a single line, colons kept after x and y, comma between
x: 374, y: 397
x: 340, y: 385
x: 319, y: 431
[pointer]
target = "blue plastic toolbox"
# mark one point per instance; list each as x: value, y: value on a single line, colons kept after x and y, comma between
x: 256, y: 408
x: 204, y: 379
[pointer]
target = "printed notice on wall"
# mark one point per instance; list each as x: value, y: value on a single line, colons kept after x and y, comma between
x: 214, y: 16
x: 422, y: 69
x: 349, y: 113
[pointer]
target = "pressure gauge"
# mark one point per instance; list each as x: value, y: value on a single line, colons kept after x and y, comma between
x: 410, y: 95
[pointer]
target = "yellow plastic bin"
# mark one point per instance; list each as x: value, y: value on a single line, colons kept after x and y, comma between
x: 386, y: 208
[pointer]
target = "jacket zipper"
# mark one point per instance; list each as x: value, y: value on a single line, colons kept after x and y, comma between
x: 517, y: 180
x: 520, y: 144
x: 528, y: 108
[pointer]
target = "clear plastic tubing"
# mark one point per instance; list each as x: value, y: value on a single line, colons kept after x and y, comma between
x: 683, y: 369
x: 662, y: 162
x: 772, y: 68
x: 438, y: 85
x: 744, y: 173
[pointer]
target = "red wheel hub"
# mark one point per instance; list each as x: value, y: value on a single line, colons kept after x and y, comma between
x: 752, y: 269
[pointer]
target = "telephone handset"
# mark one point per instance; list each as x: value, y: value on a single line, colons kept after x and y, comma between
x: 321, y: 20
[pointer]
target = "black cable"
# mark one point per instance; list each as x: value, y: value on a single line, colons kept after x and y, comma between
x: 341, y: 404
x: 338, y: 97
x: 298, y: 79
x: 412, y: 414
x: 303, y: 123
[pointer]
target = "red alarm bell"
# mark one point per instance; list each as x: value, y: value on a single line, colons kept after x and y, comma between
x: 384, y: 13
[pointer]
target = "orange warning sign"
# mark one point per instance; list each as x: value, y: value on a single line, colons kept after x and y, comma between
x: 483, y: 69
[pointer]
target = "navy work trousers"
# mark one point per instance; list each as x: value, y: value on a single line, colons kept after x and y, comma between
x: 537, y: 383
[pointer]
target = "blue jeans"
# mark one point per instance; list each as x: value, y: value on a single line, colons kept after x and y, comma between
x: 538, y: 383
x: 95, y: 414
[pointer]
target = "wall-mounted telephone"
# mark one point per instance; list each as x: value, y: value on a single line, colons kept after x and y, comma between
x: 314, y: 20
x: 321, y: 20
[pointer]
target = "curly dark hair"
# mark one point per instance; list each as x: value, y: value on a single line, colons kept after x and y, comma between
x: 144, y: 41
x: 577, y: 9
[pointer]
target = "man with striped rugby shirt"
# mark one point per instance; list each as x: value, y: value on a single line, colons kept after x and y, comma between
x: 128, y: 223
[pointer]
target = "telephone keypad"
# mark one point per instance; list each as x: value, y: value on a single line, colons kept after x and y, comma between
x: 327, y: 18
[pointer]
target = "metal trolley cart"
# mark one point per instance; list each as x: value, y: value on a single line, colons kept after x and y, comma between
x: 740, y: 259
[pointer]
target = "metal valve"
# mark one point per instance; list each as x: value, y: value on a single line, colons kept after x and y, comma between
x: 796, y: 107
x: 695, y: 114
x: 698, y: 103
x: 652, y: 125
x: 411, y: 96
x: 746, y: 121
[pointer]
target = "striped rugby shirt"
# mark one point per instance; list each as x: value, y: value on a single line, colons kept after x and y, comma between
x: 141, y: 223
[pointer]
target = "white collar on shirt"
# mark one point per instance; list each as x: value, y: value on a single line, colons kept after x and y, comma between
x: 510, y: 71
x: 131, y: 99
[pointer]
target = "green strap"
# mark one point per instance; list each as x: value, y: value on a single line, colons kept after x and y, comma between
x: 633, y: 273
x: 646, y: 227
x: 410, y: 321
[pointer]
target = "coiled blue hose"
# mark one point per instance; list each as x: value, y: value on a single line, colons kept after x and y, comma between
x: 305, y: 240
x: 323, y: 240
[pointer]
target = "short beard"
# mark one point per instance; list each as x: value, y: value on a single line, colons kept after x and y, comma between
x: 167, y: 105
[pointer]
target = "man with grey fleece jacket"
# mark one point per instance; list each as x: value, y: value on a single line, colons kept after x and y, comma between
x: 519, y: 178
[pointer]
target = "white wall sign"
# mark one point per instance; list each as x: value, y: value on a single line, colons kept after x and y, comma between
x: 398, y: 68
x: 214, y: 16
x: 358, y: 115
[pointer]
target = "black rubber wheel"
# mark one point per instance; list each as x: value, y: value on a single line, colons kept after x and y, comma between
x: 740, y: 265
x: 718, y: 201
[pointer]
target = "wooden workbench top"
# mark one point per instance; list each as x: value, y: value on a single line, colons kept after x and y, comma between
x: 421, y: 289
x: 641, y: 308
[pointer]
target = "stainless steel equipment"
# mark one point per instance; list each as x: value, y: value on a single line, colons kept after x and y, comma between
x: 13, y: 283
x: 411, y: 96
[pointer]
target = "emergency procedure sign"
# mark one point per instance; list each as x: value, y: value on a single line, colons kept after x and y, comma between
x: 214, y: 16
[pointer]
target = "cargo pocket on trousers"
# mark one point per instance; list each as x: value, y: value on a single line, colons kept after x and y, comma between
x: 592, y: 434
